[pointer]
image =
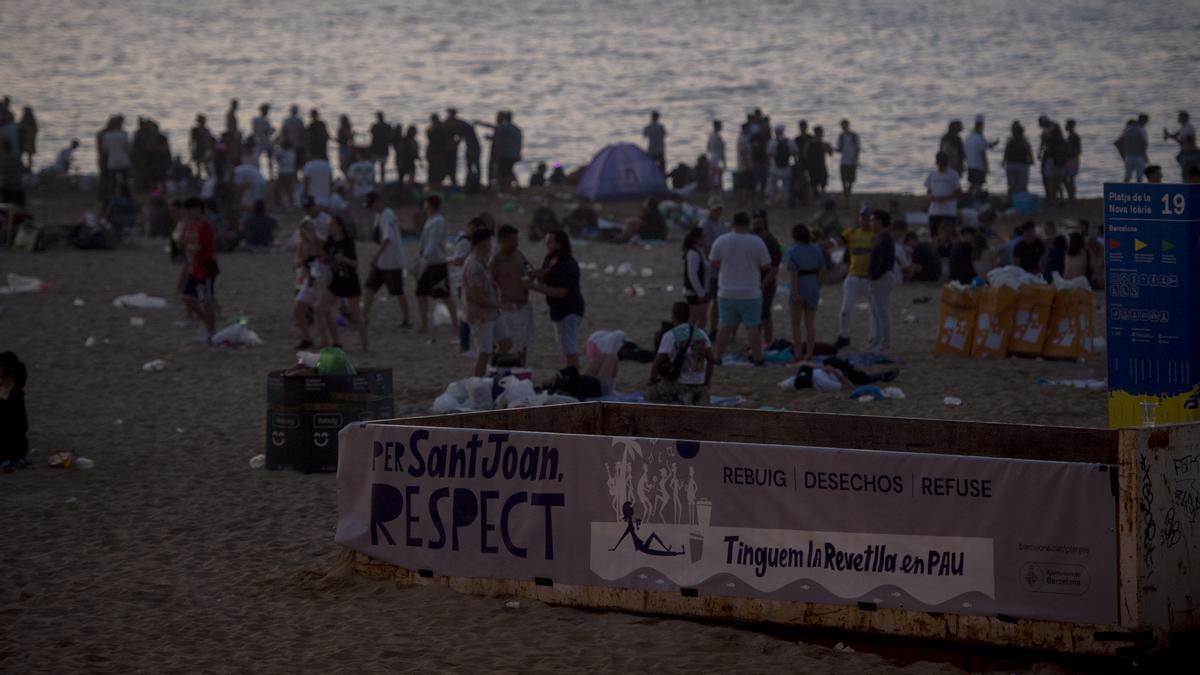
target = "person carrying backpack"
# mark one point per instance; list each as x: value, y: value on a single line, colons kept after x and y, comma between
x: 683, y: 367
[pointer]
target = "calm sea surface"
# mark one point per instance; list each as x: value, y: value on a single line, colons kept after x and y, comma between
x: 583, y: 73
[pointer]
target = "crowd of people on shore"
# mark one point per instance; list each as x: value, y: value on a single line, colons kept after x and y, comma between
x: 732, y: 270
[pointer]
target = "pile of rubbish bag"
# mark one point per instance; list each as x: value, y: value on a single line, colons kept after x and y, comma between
x: 494, y: 393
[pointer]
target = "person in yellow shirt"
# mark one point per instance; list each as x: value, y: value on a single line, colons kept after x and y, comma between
x: 857, y: 285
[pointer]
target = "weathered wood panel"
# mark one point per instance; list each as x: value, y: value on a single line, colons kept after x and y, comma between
x: 1016, y: 441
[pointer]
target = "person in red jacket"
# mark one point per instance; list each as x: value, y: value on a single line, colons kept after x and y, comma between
x: 197, y: 278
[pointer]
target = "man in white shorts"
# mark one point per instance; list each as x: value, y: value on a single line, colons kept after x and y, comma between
x: 509, y: 267
x: 483, y: 302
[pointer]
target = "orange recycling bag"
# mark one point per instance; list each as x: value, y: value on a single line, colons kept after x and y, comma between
x: 993, y: 323
x: 1071, y: 325
x: 956, y: 320
x: 1031, y: 320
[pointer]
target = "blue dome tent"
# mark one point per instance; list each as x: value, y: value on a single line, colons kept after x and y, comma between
x: 622, y: 171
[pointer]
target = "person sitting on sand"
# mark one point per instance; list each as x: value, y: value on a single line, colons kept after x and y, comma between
x: 642, y: 545
x: 582, y: 221
x: 682, y: 368
x: 545, y: 219
x: 649, y: 225
x: 538, y: 178
x: 14, y: 423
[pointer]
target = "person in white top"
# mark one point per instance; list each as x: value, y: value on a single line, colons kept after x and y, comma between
x: 318, y: 180
x: 976, y: 147
x: 716, y: 157
x: 361, y: 176
x: 1186, y: 131
x: 433, y: 273
x: 387, y: 265
x: 740, y: 260
x: 249, y: 182
x: 261, y: 129
x: 848, y: 148
x: 115, y: 144
x: 944, y: 187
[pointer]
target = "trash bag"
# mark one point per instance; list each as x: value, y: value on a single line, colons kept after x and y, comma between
x: 333, y: 361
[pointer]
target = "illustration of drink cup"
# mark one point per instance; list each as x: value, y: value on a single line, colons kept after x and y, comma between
x: 703, y: 512
x: 696, y: 546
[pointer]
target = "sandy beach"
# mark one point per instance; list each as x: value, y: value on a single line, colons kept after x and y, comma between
x: 172, y: 554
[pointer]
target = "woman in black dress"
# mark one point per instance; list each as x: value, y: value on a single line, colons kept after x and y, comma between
x: 343, y: 259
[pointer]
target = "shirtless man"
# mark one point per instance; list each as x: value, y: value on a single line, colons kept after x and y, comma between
x: 509, y: 267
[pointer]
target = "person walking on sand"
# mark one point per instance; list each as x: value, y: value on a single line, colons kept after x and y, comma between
x: 805, y: 262
x: 387, y: 266
x: 482, y: 302
x: 197, y: 279
x: 433, y: 272
x: 509, y: 267
x: 857, y: 284
x: 313, y: 275
x: 342, y: 257
x: 558, y: 280
x: 849, y: 148
x: 716, y: 157
x: 740, y: 260
x: 656, y: 140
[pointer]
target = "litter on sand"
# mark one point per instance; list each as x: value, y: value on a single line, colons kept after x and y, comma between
x: 140, y: 301
x: 23, y: 284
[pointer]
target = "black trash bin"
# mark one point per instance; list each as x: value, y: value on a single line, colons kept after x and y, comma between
x: 305, y: 413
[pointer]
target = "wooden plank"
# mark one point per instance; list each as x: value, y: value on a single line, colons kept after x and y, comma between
x: 1054, y: 636
x: 575, y: 418
x: 1016, y: 441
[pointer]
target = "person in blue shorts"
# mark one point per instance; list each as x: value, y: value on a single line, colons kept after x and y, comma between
x: 741, y: 262
x: 805, y: 262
